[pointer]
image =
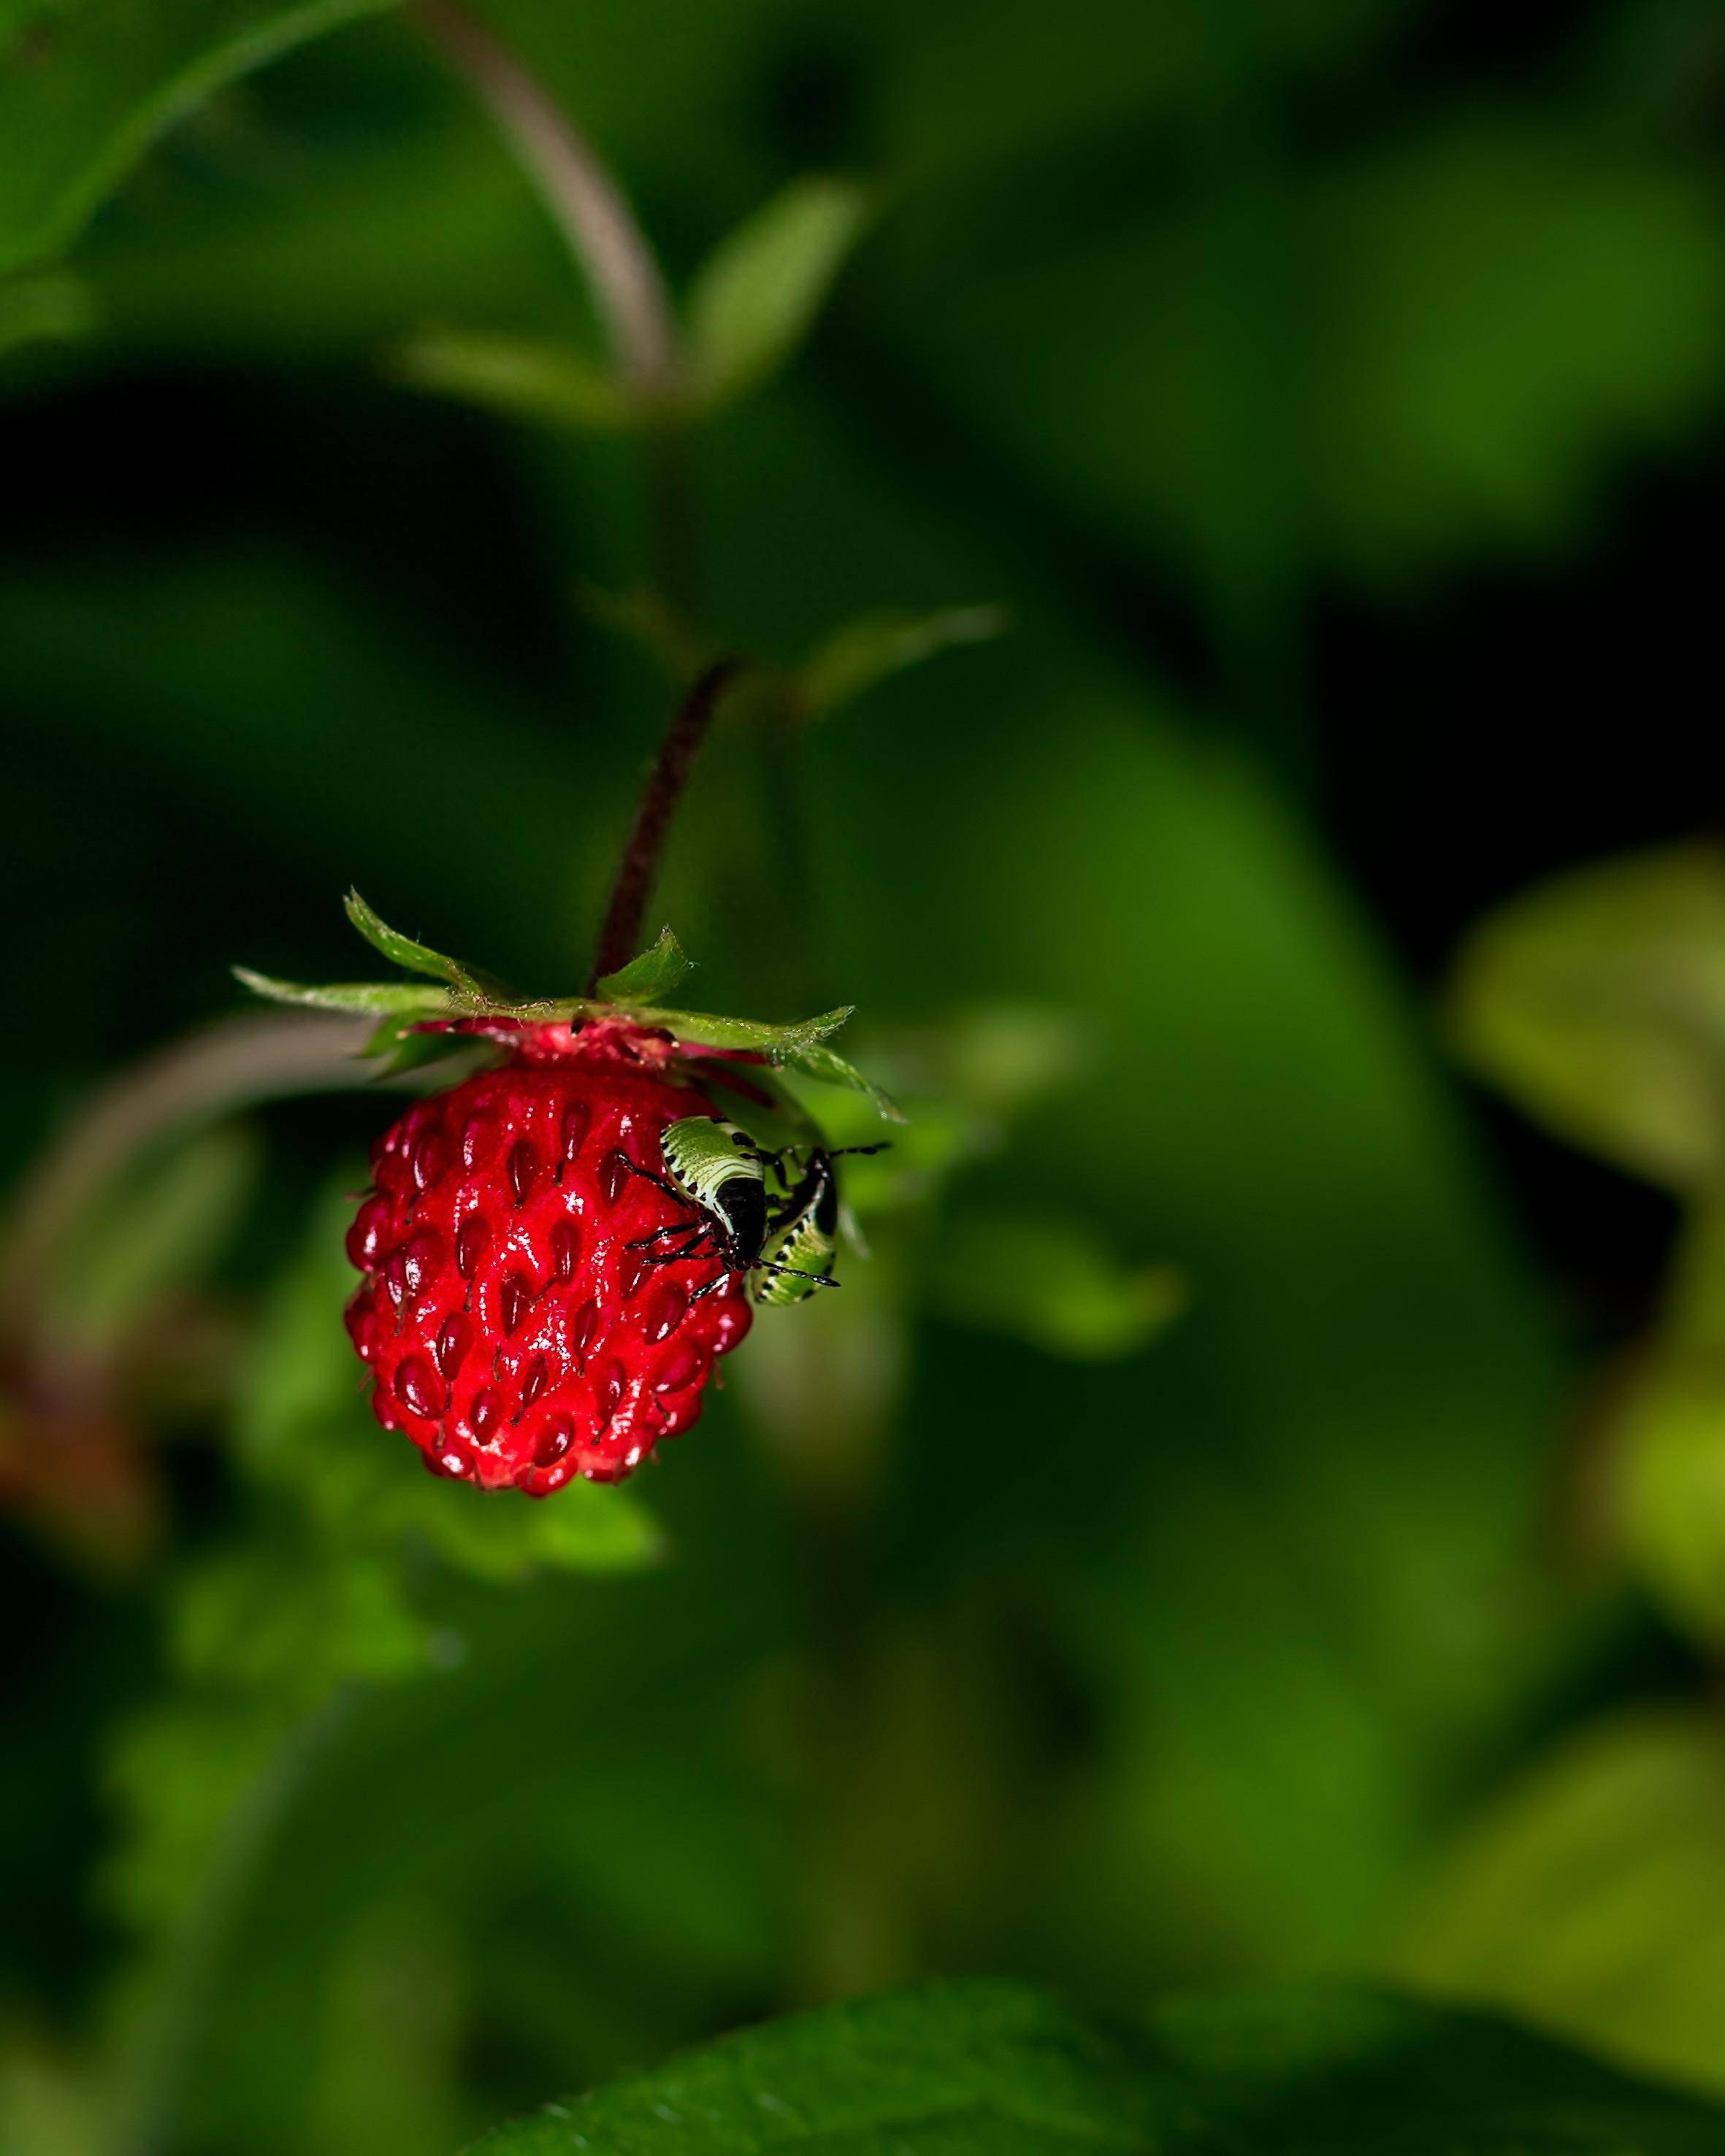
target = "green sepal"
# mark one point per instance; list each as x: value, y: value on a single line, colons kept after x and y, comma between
x: 778, y: 1044
x: 399, y: 1007
x: 413, y: 957
x: 374, y: 998
x: 829, y: 1068
x: 654, y: 973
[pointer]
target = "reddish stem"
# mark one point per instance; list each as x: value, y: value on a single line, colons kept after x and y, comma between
x: 620, y: 937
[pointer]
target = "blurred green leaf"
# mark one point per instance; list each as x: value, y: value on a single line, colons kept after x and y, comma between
x: 1475, y: 322
x: 754, y: 298
x: 1051, y: 1281
x: 47, y: 2105
x: 178, y: 1774
x: 525, y: 377
x: 1598, y: 1003
x: 293, y: 1622
x: 875, y: 646
x: 1668, y: 1437
x: 653, y: 975
x: 1591, y: 1895
x: 991, y: 2070
x: 54, y: 307
x: 87, y: 85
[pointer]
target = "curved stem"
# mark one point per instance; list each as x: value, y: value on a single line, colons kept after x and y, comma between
x: 211, y: 1073
x: 638, y: 869
x: 589, y: 206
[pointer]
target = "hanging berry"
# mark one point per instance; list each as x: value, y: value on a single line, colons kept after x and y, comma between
x: 548, y: 1277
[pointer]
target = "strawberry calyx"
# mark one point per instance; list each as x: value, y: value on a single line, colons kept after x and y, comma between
x: 624, y: 1022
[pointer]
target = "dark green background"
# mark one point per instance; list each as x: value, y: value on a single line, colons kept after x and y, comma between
x: 1332, y: 392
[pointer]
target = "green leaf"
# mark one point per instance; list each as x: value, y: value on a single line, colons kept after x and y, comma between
x: 295, y: 1622
x: 379, y: 998
x: 754, y: 298
x: 1052, y: 1282
x: 992, y: 2070
x: 1587, y: 1895
x: 654, y: 973
x: 56, y: 306
x: 866, y: 650
x: 1669, y: 1448
x: 1598, y: 1003
x: 87, y: 85
x: 527, y: 378
x: 402, y: 950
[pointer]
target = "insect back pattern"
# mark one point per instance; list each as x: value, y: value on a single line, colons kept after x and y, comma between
x: 735, y: 1216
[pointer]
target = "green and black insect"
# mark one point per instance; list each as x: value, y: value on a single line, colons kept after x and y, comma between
x: 803, y: 1229
x: 719, y: 1173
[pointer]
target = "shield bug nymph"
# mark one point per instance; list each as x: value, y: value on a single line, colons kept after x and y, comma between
x: 803, y: 1227
x: 719, y: 1173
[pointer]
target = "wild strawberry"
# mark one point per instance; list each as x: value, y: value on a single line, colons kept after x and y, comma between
x: 520, y: 1321
x: 511, y: 1321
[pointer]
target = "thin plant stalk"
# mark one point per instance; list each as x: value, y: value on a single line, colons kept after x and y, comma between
x: 638, y: 869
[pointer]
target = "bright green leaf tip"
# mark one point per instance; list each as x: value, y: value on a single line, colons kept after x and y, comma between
x: 653, y: 975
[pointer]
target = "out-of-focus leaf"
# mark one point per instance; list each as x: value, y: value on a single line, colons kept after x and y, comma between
x: 753, y: 299
x: 873, y: 646
x: 293, y: 1623
x: 1475, y: 389
x: 1669, y: 1437
x: 54, y: 306
x: 304, y: 1430
x: 1480, y: 320
x: 655, y: 973
x: 1051, y: 1281
x: 47, y: 2105
x: 1597, y: 1002
x: 178, y: 1773
x: 991, y: 2070
x: 87, y: 85
x: 526, y: 377
x: 1591, y: 1897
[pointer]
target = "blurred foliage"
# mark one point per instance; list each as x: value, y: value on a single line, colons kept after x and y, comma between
x: 1177, y: 1554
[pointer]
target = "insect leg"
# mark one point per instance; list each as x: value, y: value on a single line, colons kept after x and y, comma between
x: 699, y: 1246
x: 796, y: 1272
x: 712, y: 1286
x: 658, y: 1181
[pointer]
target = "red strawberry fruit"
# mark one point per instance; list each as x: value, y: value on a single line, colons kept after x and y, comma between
x: 509, y: 1315
x: 511, y: 1324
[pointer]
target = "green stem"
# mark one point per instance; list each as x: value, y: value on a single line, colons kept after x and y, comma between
x: 615, y: 255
